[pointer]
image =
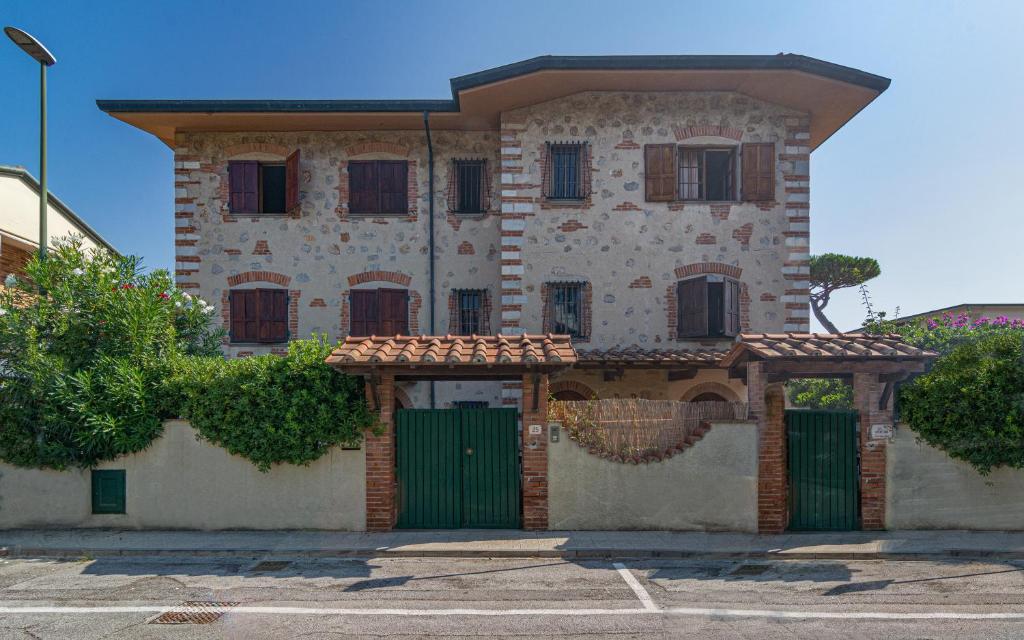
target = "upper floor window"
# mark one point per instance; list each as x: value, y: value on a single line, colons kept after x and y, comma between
x: 568, y: 173
x: 469, y: 186
x: 567, y: 309
x: 258, y: 315
x: 709, y: 307
x: 470, y: 311
x: 378, y: 186
x: 379, y: 312
x: 256, y: 186
x: 709, y: 173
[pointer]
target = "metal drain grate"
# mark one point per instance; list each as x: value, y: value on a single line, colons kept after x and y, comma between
x: 750, y: 569
x: 194, y: 612
x: 271, y: 565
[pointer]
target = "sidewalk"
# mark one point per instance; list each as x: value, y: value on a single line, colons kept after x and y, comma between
x: 525, y: 544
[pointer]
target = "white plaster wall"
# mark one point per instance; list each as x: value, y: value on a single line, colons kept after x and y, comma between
x: 19, y: 215
x: 182, y: 482
x: 711, y: 486
x: 926, y: 489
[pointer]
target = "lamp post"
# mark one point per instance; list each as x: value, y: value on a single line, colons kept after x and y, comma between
x: 34, y: 48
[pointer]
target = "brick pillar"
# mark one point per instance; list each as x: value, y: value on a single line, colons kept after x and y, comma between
x: 867, y: 392
x: 380, y: 463
x: 772, y: 490
x: 535, y: 455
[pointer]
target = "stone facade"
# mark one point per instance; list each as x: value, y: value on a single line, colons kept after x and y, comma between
x: 630, y: 253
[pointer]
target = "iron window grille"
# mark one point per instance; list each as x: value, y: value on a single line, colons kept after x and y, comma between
x: 566, y: 309
x: 471, y: 189
x: 707, y: 174
x: 470, y: 308
x: 566, y: 171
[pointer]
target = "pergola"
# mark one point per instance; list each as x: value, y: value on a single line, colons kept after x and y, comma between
x: 872, y: 363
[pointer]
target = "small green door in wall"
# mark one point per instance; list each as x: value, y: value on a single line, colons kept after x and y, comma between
x: 824, y: 490
x: 457, y: 468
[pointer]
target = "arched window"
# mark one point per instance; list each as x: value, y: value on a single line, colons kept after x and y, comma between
x: 708, y: 396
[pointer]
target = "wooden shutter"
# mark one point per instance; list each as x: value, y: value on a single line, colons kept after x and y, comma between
x: 244, y: 186
x: 291, y: 182
x: 394, y: 186
x: 731, y: 302
x: 244, y: 317
x: 363, y: 193
x: 692, y: 316
x: 393, y: 305
x: 758, y: 171
x: 364, y: 313
x: 273, y: 315
x: 660, y: 172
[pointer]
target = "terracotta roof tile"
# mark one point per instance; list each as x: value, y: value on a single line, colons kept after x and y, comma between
x: 824, y: 345
x: 454, y: 350
x: 652, y: 356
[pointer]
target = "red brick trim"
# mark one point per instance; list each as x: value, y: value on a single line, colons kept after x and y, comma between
x: 698, y: 268
x: 259, y: 276
x: 393, y: 277
x: 402, y: 397
x: 364, y: 148
x: 772, y: 499
x: 682, y: 133
x: 256, y: 147
x: 571, y: 385
x: 586, y: 305
x: 643, y: 282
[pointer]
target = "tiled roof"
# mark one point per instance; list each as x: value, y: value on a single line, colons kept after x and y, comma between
x: 652, y: 356
x: 824, y: 345
x: 455, y: 350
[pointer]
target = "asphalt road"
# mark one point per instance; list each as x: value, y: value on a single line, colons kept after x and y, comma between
x: 334, y: 598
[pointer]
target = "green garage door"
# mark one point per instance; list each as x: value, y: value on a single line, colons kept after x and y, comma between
x: 823, y: 470
x: 457, y: 468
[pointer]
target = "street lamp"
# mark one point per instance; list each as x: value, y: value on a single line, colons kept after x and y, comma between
x: 34, y: 48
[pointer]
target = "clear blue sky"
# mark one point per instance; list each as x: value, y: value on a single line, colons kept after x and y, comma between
x: 927, y: 179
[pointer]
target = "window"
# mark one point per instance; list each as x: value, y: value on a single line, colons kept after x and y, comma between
x: 379, y: 312
x: 759, y: 171
x: 469, y: 404
x: 566, y: 310
x: 470, y: 309
x: 378, y: 186
x: 470, y: 186
x: 708, y: 307
x: 259, y: 315
x: 706, y: 174
x: 263, y: 187
x: 568, y: 171
x: 108, y: 491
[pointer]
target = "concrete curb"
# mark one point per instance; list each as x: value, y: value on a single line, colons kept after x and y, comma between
x: 567, y: 554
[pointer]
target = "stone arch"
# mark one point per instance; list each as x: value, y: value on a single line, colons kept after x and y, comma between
x: 259, y: 276
x: 402, y: 399
x: 256, y: 147
x: 698, y: 268
x: 571, y: 386
x: 682, y: 133
x: 394, y: 277
x: 710, y: 387
x: 364, y: 148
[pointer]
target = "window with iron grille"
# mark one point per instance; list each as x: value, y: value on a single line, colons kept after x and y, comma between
x: 707, y: 174
x: 470, y: 186
x: 566, y: 309
x: 470, y: 311
x: 566, y: 171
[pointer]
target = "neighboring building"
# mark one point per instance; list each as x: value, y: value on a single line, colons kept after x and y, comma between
x: 652, y: 207
x: 19, y: 221
x: 1010, y: 310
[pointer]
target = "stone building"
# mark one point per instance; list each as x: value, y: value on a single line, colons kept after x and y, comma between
x: 652, y: 207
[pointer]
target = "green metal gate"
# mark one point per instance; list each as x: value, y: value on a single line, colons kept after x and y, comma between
x: 458, y: 468
x: 823, y: 470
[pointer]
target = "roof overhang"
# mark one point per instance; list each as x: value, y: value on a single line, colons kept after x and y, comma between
x: 831, y: 94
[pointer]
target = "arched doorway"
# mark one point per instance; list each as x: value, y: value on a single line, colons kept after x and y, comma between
x: 708, y: 396
x: 568, y: 395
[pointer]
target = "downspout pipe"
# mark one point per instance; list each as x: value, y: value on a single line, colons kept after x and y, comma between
x: 430, y: 234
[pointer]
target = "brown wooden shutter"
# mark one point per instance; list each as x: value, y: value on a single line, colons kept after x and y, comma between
x: 363, y: 192
x: 394, y: 186
x: 291, y: 182
x: 692, y: 316
x: 660, y: 172
x: 363, y: 313
x: 731, y: 302
x: 273, y: 312
x: 393, y: 311
x: 244, y: 320
x: 244, y: 186
x: 758, y: 171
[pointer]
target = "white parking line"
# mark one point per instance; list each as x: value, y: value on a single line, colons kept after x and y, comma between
x: 683, y: 611
x: 634, y: 584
